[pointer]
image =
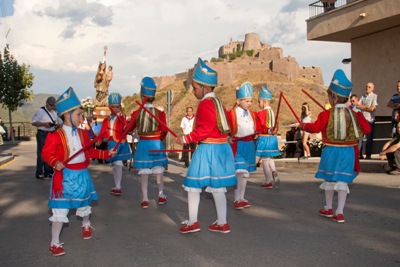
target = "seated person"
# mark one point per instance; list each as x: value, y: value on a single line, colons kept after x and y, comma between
x: 391, y: 150
x: 291, y: 147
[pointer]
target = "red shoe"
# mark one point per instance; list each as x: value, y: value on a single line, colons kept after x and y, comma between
x: 193, y: 228
x: 219, y: 228
x: 116, y: 192
x: 57, y: 250
x: 162, y: 200
x: 267, y: 186
x: 144, y: 204
x: 238, y: 205
x: 245, y: 203
x: 87, y: 231
x: 338, y: 218
x: 326, y: 213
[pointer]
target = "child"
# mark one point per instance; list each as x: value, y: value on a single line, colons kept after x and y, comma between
x: 243, y: 125
x: 114, y: 128
x: 151, y: 134
x: 341, y: 129
x: 212, y: 165
x: 267, y: 142
x: 72, y: 187
x: 305, y: 118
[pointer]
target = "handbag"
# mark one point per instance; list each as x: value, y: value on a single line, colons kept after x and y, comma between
x: 2, y: 131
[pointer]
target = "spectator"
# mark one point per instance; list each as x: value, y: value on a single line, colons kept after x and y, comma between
x: 305, y: 118
x: 1, y: 133
x: 397, y: 120
x: 394, y: 103
x: 367, y: 104
x: 5, y: 135
x: 391, y: 150
x: 328, y: 5
x: 187, y: 128
x: 46, y: 120
x: 96, y: 126
x: 290, y: 137
x: 353, y: 106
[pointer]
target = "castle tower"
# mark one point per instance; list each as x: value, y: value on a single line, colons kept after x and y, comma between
x: 252, y: 42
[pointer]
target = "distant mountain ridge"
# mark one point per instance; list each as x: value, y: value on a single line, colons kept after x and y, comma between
x: 25, y: 113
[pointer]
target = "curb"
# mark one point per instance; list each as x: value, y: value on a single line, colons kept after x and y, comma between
x: 4, y: 158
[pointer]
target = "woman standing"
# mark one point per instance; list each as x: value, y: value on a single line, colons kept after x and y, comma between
x: 305, y: 117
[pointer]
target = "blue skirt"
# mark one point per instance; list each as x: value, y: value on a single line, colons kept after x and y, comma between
x: 78, y: 190
x: 337, y: 164
x: 267, y: 146
x: 123, y: 151
x: 212, y: 165
x: 144, y: 159
x: 245, y: 156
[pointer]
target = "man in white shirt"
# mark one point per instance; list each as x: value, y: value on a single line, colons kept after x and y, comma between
x: 187, y: 127
x: 46, y: 120
x: 367, y: 104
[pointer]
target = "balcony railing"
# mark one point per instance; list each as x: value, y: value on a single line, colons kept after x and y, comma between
x: 324, y: 6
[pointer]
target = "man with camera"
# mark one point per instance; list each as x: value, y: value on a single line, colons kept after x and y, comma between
x: 46, y: 120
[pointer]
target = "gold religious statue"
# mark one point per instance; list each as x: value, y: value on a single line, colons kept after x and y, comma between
x: 102, y: 82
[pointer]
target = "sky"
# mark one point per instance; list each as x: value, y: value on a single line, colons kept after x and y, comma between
x: 63, y: 41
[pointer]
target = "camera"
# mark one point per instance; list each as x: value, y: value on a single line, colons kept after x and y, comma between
x: 51, y: 124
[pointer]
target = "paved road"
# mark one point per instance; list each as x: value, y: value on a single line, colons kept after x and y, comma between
x: 281, y: 228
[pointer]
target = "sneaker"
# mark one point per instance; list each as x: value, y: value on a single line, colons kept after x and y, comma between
x: 238, y: 205
x: 265, y: 185
x: 57, y: 250
x: 215, y: 227
x: 116, y: 192
x: 87, y: 231
x: 186, y: 229
x: 394, y: 172
x: 338, y: 218
x: 326, y: 213
x: 277, y: 180
x: 162, y: 200
x: 39, y: 176
x: 245, y: 203
x: 144, y: 204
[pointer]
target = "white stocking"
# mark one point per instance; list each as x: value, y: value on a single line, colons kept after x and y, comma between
x: 117, y: 171
x: 329, y: 199
x: 342, y: 195
x: 55, y: 232
x: 267, y: 170
x: 243, y: 187
x: 193, y: 205
x: 220, y: 205
x: 271, y: 164
x: 238, y: 186
x: 160, y: 184
x: 144, y: 180
x: 86, y: 221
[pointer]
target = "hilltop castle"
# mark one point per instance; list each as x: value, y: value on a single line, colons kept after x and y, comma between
x: 263, y: 56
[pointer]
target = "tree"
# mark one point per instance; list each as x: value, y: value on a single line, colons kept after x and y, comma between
x: 15, y: 81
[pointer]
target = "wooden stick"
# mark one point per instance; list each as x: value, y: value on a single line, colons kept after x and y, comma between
x: 290, y: 107
x: 157, y: 119
x: 116, y: 114
x: 84, y: 148
x: 277, y: 112
x: 126, y: 130
x: 313, y: 99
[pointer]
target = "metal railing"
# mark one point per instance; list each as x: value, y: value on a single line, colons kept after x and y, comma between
x: 21, y: 129
x: 324, y: 6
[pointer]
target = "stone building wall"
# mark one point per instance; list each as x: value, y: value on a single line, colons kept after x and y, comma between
x: 163, y: 81
x: 312, y: 73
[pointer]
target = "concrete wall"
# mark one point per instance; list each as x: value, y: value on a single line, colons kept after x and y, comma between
x: 376, y: 58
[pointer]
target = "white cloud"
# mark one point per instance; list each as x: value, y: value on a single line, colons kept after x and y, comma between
x: 63, y: 40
